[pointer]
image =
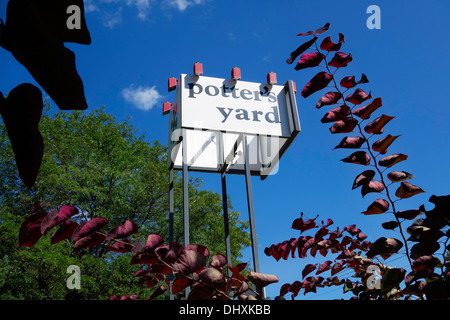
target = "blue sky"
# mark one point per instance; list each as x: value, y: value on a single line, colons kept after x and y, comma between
x: 138, y: 44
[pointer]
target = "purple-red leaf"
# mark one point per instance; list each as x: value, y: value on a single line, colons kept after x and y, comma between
x: 123, y: 231
x: 337, y: 267
x: 358, y: 97
x: 92, y: 239
x: 350, y: 82
x: 318, y: 82
x: 212, y: 277
x: 351, y: 143
x: 377, y: 125
x: 407, y: 190
x: 358, y: 157
x: 65, y: 231
x: 338, y: 113
x: 344, y: 126
x: 261, y: 279
x: 377, y: 207
x: 373, y: 187
x: 153, y: 241
x: 391, y: 160
x: 120, y: 246
x: 324, y: 267
x: 340, y: 60
x: 398, y: 176
x: 302, y: 48
x: 159, y: 291
x: 91, y: 227
x: 49, y: 221
x: 309, y: 60
x: 218, y: 260
x: 67, y: 211
x: 329, y: 45
x: 190, y: 261
x: 366, y: 111
x: 180, y: 284
x: 317, y: 31
x: 308, y: 269
x: 30, y: 230
x: 303, y: 225
x: 328, y: 98
x: 382, y: 144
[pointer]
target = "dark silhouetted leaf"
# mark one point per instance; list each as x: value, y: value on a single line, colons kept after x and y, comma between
x: 389, y: 225
x: 21, y: 113
x: 409, y: 214
x: 358, y: 157
x: 35, y: 35
x: 407, y: 190
x: 318, y: 82
x: 384, y: 247
x: 392, y: 277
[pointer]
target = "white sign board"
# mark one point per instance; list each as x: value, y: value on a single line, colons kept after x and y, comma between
x: 214, y: 114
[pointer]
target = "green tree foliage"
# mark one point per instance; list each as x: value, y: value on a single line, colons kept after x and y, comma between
x: 105, y: 169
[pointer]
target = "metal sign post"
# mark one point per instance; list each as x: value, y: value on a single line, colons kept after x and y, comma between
x: 228, y: 126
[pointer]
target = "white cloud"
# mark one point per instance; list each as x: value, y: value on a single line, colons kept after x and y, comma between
x: 143, y: 98
x: 110, y: 20
x: 182, y: 4
x: 89, y: 6
x: 143, y: 7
